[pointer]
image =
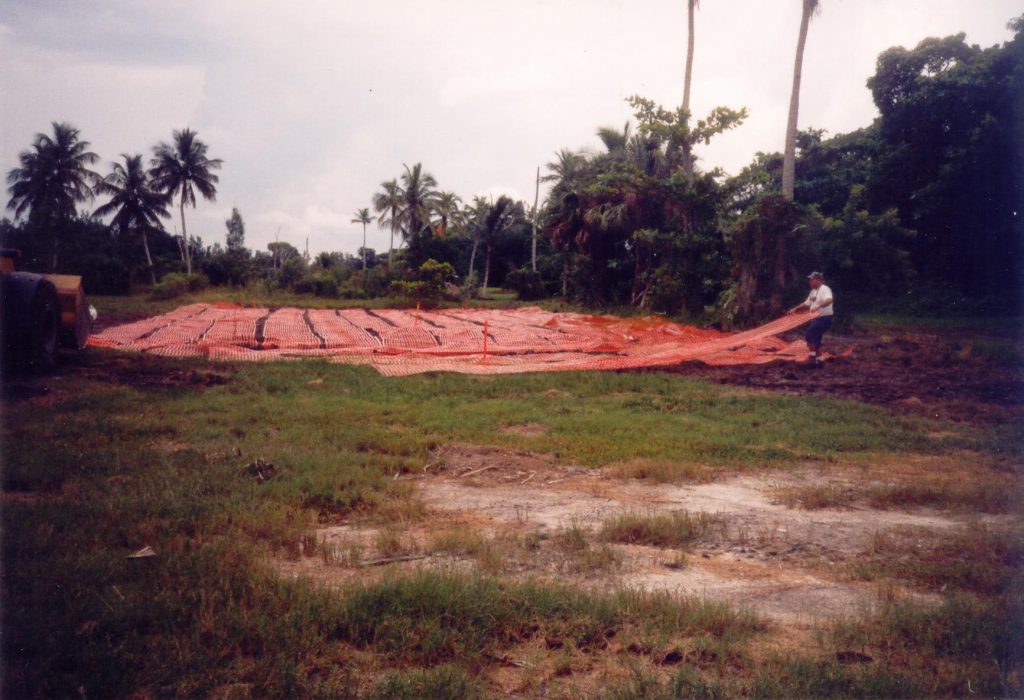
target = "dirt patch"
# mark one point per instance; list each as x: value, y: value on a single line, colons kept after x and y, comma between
x: 937, y: 374
x: 117, y: 368
x: 523, y: 514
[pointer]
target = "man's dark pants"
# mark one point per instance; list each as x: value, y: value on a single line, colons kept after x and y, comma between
x: 816, y: 330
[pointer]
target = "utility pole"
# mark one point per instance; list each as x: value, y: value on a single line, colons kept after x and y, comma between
x: 536, y: 200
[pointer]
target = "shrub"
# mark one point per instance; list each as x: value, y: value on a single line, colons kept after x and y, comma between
x: 431, y: 283
x: 526, y: 283
x: 292, y: 270
x: 178, y: 283
x: 321, y: 284
x: 229, y: 267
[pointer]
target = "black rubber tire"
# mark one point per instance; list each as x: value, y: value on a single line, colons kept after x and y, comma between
x: 42, y: 351
x: 30, y: 326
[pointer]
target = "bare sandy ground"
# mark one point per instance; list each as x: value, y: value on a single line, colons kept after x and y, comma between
x: 785, y: 563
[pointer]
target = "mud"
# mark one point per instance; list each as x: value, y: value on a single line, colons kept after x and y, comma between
x: 940, y: 373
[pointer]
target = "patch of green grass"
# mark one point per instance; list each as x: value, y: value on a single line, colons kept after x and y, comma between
x: 430, y: 618
x: 781, y: 677
x: 446, y: 682
x: 677, y: 528
x: 974, y: 558
x: 984, y: 636
x: 130, y: 451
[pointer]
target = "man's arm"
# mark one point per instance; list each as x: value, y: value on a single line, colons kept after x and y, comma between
x: 802, y: 307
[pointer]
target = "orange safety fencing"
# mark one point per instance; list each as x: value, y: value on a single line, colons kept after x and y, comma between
x: 472, y: 341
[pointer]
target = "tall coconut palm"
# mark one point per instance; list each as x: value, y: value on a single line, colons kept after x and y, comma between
x: 474, y: 215
x: 180, y: 168
x: 496, y: 218
x: 789, y: 155
x: 362, y: 216
x: 448, y: 208
x: 418, y: 192
x: 691, y: 5
x: 136, y: 206
x: 52, y: 178
x: 388, y: 203
x: 563, y: 207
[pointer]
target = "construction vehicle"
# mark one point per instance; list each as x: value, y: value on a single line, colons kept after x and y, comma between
x: 39, y: 314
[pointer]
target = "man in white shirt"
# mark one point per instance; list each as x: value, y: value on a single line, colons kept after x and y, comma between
x: 819, y: 303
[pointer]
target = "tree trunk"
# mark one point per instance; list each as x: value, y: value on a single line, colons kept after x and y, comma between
x: 533, y: 246
x: 184, y: 240
x: 472, y: 258
x: 487, y: 269
x: 149, y: 258
x: 689, y: 54
x: 364, y: 246
x: 789, y: 155
x: 565, y: 274
x: 391, y: 249
x: 687, y: 148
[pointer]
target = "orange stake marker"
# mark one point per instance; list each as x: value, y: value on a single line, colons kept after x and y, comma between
x: 485, y: 340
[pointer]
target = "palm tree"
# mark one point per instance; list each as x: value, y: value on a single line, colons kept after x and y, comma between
x: 691, y: 5
x: 563, y: 208
x: 447, y: 206
x: 52, y: 179
x: 362, y: 216
x: 489, y: 220
x: 179, y: 169
x: 475, y: 214
x: 136, y: 206
x: 615, y: 142
x: 388, y: 202
x: 789, y: 155
x: 418, y: 195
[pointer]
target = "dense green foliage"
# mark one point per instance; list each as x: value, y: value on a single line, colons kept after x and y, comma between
x: 919, y: 211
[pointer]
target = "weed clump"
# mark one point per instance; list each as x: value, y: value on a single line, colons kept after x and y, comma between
x: 678, y: 528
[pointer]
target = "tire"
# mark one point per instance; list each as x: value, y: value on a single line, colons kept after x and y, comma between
x: 31, y: 322
x: 42, y: 351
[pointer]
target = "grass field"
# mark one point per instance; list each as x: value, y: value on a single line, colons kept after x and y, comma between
x: 119, y: 452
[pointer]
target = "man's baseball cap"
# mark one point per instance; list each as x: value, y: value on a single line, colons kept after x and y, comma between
x: 815, y: 276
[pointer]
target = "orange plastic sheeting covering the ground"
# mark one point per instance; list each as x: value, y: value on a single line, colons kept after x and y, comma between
x: 402, y: 342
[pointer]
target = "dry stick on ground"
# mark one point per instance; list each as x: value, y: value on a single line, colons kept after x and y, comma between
x: 532, y: 474
x: 477, y: 471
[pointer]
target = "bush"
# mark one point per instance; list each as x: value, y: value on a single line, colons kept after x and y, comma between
x: 321, y: 284
x: 526, y: 283
x: 291, y: 272
x: 431, y: 283
x: 177, y: 283
x: 229, y: 267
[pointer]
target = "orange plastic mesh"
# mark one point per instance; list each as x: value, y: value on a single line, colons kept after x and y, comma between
x: 473, y: 341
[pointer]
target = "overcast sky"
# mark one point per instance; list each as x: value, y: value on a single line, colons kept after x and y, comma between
x: 311, y: 104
